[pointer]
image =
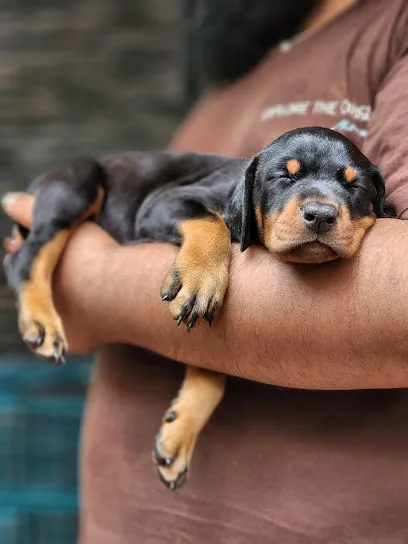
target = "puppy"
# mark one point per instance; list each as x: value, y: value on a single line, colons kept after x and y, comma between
x: 308, y: 197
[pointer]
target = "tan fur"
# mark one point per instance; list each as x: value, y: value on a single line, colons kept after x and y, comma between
x: 289, y: 239
x: 259, y: 222
x: 349, y: 233
x: 37, y: 311
x: 202, y: 264
x: 284, y: 227
x: 200, y: 394
x: 293, y: 166
x: 350, y: 174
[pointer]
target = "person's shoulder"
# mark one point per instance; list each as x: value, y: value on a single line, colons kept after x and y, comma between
x: 383, y: 20
x: 396, y: 11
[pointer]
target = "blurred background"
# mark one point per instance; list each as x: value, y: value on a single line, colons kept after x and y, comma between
x: 76, y: 76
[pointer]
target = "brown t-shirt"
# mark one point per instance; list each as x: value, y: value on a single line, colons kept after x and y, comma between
x: 274, y: 465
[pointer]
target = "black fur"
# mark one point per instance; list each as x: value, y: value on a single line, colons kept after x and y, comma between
x: 249, y: 230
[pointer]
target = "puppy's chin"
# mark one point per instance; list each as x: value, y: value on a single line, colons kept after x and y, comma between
x: 309, y: 253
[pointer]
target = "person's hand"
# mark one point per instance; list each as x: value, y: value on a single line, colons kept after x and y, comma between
x: 89, y: 248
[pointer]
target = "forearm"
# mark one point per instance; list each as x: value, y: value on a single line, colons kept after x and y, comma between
x: 336, y: 326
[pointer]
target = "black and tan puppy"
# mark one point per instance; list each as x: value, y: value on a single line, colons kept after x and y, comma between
x: 308, y: 197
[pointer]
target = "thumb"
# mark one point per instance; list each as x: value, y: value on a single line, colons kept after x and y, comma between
x: 19, y: 207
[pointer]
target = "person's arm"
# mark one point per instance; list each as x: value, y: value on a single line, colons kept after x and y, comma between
x: 337, y: 326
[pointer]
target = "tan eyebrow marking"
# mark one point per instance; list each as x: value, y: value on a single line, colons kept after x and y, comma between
x: 350, y: 174
x: 293, y: 166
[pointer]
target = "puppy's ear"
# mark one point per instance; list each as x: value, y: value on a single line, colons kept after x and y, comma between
x: 379, y: 202
x: 248, y: 229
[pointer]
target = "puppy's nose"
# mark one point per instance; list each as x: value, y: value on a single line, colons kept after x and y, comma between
x: 319, y: 217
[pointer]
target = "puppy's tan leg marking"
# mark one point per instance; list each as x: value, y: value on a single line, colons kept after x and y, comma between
x: 200, y: 394
x: 198, y: 279
x: 38, y: 320
x: 95, y: 207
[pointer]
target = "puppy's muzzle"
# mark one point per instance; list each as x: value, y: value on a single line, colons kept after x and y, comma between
x: 319, y: 217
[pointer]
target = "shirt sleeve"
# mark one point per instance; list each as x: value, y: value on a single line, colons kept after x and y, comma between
x: 387, y: 137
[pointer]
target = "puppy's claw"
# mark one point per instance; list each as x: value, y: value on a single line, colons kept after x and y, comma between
x: 193, y: 321
x: 185, y: 310
x: 58, y: 358
x: 209, y: 316
x: 170, y: 416
x: 171, y: 285
x: 164, y: 461
x: 173, y: 485
x: 38, y: 340
x: 161, y: 459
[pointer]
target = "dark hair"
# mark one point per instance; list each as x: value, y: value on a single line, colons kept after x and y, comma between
x: 224, y: 39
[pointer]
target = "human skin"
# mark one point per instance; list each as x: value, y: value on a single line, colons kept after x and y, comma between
x: 341, y: 325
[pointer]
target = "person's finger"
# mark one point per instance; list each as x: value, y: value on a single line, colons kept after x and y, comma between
x: 19, y: 206
x: 14, y: 242
x: 11, y: 245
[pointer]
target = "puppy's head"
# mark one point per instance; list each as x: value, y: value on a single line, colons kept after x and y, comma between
x: 311, y: 196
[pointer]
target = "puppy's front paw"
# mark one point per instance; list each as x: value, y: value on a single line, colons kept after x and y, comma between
x: 174, y: 446
x: 196, y: 283
x: 195, y: 290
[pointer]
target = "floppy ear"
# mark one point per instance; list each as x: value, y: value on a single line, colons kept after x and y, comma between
x: 248, y: 228
x: 379, y: 202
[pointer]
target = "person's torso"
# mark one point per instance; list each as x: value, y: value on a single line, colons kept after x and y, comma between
x: 273, y: 465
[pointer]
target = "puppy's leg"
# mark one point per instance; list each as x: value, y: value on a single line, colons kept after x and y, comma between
x: 200, y: 394
x: 198, y: 279
x: 64, y: 198
x: 195, y: 285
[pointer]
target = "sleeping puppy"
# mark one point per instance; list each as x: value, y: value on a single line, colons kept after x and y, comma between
x: 308, y: 197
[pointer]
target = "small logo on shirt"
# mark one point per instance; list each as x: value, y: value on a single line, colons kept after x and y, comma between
x: 344, y: 125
